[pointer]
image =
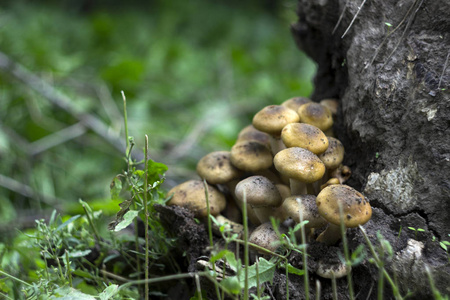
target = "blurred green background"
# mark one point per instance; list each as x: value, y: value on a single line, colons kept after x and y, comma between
x: 194, y: 73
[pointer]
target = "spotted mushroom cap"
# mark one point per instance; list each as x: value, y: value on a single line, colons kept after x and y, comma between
x: 299, y: 164
x: 250, y: 133
x: 304, y: 136
x: 329, y: 270
x: 191, y: 195
x: 332, y: 105
x: 315, y: 114
x: 216, y: 168
x: 334, y: 155
x: 259, y: 192
x: 251, y: 156
x: 307, y: 204
x: 356, y: 208
x: 271, y: 119
x: 296, y: 102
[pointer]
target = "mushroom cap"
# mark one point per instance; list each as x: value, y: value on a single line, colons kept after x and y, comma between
x: 251, y: 156
x: 271, y: 119
x: 250, y: 133
x: 332, y: 105
x: 299, y: 164
x: 330, y: 181
x: 216, y: 168
x: 307, y: 204
x: 259, y: 192
x: 304, y: 136
x: 265, y: 236
x: 296, y: 102
x: 191, y: 195
x: 355, y: 207
x: 315, y: 114
x: 334, y: 155
x: 330, y: 270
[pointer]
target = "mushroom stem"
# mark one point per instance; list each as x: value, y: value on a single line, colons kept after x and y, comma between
x: 330, y: 235
x: 276, y: 144
x: 298, y: 187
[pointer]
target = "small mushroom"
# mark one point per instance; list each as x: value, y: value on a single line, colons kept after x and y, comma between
x: 301, y: 166
x: 296, y: 102
x: 250, y: 133
x: 251, y: 156
x: 304, y: 136
x: 330, y: 270
x: 332, y: 105
x: 265, y: 236
x: 271, y: 119
x: 191, y: 195
x: 216, y: 168
x: 261, y: 194
x: 315, y: 114
x: 356, y: 210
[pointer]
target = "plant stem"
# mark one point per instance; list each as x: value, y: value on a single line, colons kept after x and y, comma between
x: 15, y: 278
x: 346, y: 254
x: 246, y: 261
x: 304, y: 253
x: 378, y: 262
x: 69, y: 273
x: 334, y: 287
x: 146, y: 216
x: 97, y: 237
x: 318, y: 288
x: 127, y: 142
x: 163, y: 278
x: 287, y: 279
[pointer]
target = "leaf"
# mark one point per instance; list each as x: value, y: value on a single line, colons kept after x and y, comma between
x: 124, y: 207
x: 115, y: 188
x: 293, y: 270
x: 266, y: 273
x: 231, y: 284
x: 155, y: 171
x: 67, y: 222
x: 127, y: 220
x: 109, y: 292
x: 79, y: 253
x: 68, y: 293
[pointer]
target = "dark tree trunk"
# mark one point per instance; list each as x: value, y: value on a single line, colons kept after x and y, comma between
x: 393, y: 85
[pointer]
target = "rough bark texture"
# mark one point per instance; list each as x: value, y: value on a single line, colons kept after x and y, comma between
x: 393, y: 85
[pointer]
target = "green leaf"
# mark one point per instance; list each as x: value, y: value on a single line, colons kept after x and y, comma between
x: 68, y: 293
x: 266, y: 273
x: 109, y: 292
x: 115, y: 188
x: 124, y: 207
x: 127, y: 220
x: 293, y: 270
x: 155, y: 171
x: 67, y: 222
x: 79, y: 253
x: 231, y: 284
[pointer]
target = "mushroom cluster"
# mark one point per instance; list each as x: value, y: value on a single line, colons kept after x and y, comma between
x: 287, y: 160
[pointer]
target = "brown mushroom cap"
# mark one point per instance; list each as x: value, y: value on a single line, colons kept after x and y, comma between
x: 315, y: 114
x: 304, y: 136
x: 334, y: 155
x: 271, y: 119
x: 216, y: 168
x: 356, y: 208
x: 191, y: 195
x: 307, y: 204
x: 296, y: 102
x: 250, y: 133
x: 266, y: 237
x: 332, y: 105
x: 251, y: 156
x: 299, y: 164
x: 259, y: 191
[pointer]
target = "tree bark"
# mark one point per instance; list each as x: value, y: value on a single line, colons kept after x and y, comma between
x: 387, y: 61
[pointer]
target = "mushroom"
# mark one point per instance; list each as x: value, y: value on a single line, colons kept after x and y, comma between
x: 295, y: 103
x: 304, y: 136
x: 191, y: 195
x: 329, y: 270
x: 356, y: 210
x: 330, y: 181
x: 332, y: 157
x: 265, y: 236
x: 229, y: 225
x: 271, y: 119
x: 261, y: 194
x: 332, y: 105
x: 216, y: 168
x: 315, y: 114
x: 342, y: 173
x: 250, y: 133
x: 301, y: 166
x: 251, y: 156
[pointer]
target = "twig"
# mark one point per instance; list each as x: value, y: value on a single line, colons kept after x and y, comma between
x: 56, y: 138
x: 354, y: 18
x: 27, y: 191
x: 61, y: 100
x: 340, y: 18
x: 443, y: 70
